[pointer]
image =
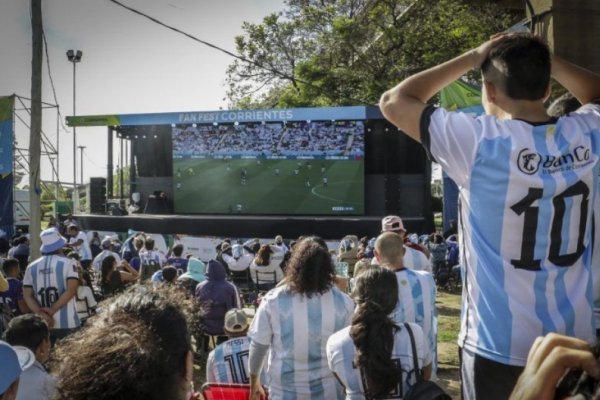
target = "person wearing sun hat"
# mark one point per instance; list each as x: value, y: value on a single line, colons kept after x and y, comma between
x: 219, y: 368
x: 15, y: 360
x: 50, y: 286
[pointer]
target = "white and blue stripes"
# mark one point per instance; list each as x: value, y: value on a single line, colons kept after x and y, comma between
x: 297, y: 328
x: 526, y: 193
x: 47, y: 277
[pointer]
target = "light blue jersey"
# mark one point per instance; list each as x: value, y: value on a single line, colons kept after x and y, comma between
x: 47, y: 277
x: 228, y: 362
x: 341, y: 353
x: 526, y: 194
x: 416, y: 303
x: 297, y: 328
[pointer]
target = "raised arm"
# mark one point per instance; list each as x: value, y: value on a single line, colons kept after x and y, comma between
x: 580, y: 82
x: 403, y: 104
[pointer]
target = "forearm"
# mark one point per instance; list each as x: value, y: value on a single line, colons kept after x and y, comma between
x: 256, y: 358
x: 64, y: 298
x: 3, y: 283
x: 426, y: 84
x: 580, y: 82
x: 30, y: 300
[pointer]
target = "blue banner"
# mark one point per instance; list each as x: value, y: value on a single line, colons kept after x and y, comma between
x: 6, y: 165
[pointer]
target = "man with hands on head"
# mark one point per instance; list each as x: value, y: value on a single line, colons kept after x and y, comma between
x: 527, y: 184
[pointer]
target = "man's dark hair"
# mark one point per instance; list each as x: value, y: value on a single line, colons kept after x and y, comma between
x: 149, y: 243
x: 27, y: 330
x: 22, y: 240
x: 169, y: 274
x: 523, y: 63
x: 9, y: 265
x: 178, y: 250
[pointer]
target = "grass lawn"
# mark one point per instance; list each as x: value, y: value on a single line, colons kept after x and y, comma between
x: 448, y: 306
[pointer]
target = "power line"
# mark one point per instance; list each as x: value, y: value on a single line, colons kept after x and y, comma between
x: 279, y: 73
x: 52, y: 81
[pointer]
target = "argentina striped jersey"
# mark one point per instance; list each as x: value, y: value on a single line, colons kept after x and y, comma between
x: 297, y: 328
x: 526, y: 194
x: 48, y: 276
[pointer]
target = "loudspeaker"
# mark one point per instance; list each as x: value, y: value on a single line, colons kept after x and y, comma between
x: 96, y: 196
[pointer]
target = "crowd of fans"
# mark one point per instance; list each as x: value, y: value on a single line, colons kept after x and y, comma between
x: 316, y: 138
x: 71, y: 302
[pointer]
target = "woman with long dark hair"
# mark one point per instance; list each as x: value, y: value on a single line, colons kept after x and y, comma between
x: 294, y: 321
x: 373, y: 358
x: 265, y: 269
x: 112, y: 280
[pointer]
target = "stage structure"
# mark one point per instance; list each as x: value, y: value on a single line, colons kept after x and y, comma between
x: 330, y: 171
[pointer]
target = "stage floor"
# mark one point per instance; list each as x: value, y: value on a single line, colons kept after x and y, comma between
x: 243, y: 226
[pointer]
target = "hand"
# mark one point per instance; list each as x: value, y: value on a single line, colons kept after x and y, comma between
x: 481, y: 52
x: 257, y: 392
x: 549, y: 358
x: 46, y: 315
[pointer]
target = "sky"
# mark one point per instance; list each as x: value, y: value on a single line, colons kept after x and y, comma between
x: 129, y: 64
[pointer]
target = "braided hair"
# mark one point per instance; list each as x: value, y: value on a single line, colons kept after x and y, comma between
x: 372, y: 330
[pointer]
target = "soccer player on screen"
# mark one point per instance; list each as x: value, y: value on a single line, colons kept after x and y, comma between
x: 527, y: 184
x: 324, y: 181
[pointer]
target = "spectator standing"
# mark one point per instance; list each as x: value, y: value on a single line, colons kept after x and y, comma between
x: 50, y: 286
x: 526, y: 219
x: 21, y: 252
x: 95, y: 244
x: 31, y: 331
x: 13, y: 296
x: 416, y: 290
x: 176, y: 260
x: 413, y: 259
x: 151, y: 260
x: 79, y: 243
x: 292, y: 324
x: 373, y: 357
x: 437, y: 247
x: 86, y: 301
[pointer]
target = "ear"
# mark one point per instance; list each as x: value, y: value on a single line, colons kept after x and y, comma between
x: 376, y: 253
x: 490, y: 92
x: 547, y: 93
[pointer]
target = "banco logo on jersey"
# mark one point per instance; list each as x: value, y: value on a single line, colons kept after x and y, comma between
x: 529, y: 162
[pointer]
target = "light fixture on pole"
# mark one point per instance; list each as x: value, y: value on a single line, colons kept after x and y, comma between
x: 74, y: 56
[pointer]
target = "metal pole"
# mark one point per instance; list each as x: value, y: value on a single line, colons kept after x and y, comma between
x: 75, y: 189
x: 81, y: 160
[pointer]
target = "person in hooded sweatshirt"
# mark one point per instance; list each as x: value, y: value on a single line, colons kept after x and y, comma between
x: 216, y: 296
x: 194, y: 275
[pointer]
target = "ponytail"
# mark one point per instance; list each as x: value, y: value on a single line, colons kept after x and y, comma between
x: 372, y: 331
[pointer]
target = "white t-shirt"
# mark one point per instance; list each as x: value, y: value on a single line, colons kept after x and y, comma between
x: 84, y: 251
x: 341, y: 353
x: 526, y: 193
x: 238, y: 264
x: 97, y: 263
x: 85, y: 301
x: 297, y: 328
x: 47, y: 277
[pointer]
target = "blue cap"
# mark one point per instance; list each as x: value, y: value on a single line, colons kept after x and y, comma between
x: 14, y: 361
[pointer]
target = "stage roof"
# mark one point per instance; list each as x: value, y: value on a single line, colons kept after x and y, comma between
x: 230, y: 116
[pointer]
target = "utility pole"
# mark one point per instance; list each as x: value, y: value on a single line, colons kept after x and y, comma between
x: 36, y: 129
x: 81, y: 162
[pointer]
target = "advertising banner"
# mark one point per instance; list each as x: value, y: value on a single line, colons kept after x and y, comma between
x: 6, y: 165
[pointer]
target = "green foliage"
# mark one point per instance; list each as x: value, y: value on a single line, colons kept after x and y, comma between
x: 348, y: 52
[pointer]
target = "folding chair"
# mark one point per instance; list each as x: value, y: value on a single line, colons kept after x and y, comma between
x: 264, y: 281
x: 226, y: 391
x: 242, y: 280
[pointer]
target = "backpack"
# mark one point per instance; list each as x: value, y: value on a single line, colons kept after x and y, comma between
x: 422, y: 389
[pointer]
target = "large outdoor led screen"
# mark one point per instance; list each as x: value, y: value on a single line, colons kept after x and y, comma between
x: 278, y: 168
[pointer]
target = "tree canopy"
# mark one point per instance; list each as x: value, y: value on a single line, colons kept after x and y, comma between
x: 348, y: 52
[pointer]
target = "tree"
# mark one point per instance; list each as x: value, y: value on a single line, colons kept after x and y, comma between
x: 348, y: 52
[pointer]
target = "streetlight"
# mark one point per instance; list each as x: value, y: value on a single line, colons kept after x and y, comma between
x: 74, y: 56
x: 81, y: 160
